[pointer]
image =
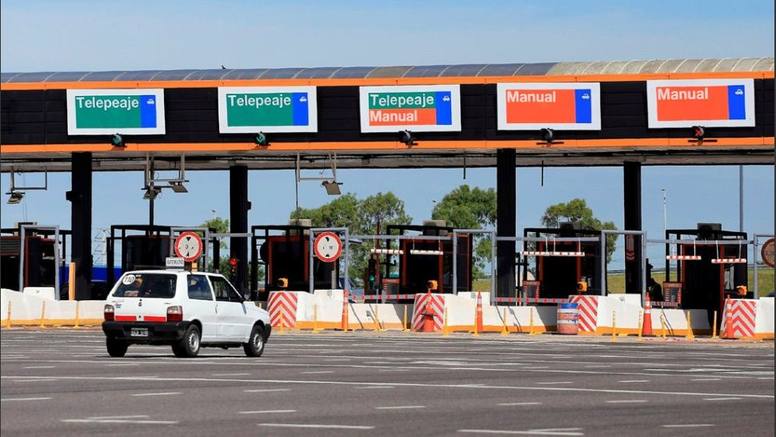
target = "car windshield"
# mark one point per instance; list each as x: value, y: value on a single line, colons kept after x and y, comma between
x: 147, y: 285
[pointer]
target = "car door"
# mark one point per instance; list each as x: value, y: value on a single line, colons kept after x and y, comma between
x: 202, y: 306
x: 231, y: 310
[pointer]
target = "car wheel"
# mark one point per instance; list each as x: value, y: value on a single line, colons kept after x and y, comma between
x: 116, y: 348
x: 188, y: 346
x: 255, y: 345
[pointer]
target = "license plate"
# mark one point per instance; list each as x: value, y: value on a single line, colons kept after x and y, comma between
x: 138, y: 332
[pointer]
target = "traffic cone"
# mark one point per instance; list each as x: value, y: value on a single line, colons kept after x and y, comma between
x: 727, y: 330
x: 646, y: 327
x: 344, y: 322
x: 478, y: 314
x: 428, y: 314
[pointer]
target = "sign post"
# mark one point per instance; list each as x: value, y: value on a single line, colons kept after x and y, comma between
x: 111, y: 111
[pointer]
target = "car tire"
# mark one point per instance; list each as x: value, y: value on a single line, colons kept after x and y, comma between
x: 188, y: 346
x: 116, y: 348
x: 255, y: 345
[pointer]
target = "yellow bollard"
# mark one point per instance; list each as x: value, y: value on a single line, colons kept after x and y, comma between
x: 315, y: 318
x: 663, y: 325
x: 614, y: 326
x: 43, y: 314
x: 530, y: 323
x: 71, y: 282
x: 641, y: 323
x: 713, y: 327
x: 8, y: 317
x: 445, y: 329
x: 475, y: 331
x: 404, y: 326
x: 504, y: 330
x: 379, y: 327
x: 690, y: 335
x: 77, y: 314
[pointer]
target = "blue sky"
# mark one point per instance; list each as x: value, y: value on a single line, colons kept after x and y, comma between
x: 113, y: 35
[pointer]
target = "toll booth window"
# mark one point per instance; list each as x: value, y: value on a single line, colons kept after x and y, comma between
x: 224, y: 291
x: 729, y: 277
x: 199, y: 289
x: 147, y: 285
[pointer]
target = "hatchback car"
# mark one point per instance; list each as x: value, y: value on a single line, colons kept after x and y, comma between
x: 183, y: 309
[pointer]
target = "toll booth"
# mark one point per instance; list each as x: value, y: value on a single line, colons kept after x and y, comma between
x: 424, y: 253
x: 706, y: 273
x: 143, y: 247
x: 559, y: 266
x: 31, y: 258
x: 283, y: 251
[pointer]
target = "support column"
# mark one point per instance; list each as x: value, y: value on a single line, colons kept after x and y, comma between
x: 80, y: 197
x: 238, y: 223
x: 506, y: 208
x: 632, y: 203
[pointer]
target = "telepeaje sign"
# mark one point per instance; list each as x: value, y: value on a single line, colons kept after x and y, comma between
x: 429, y: 108
x: 106, y: 112
x: 267, y: 109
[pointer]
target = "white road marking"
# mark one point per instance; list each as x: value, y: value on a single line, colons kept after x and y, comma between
x: 401, y: 407
x: 265, y: 390
x: 311, y: 425
x: 24, y: 399
x: 706, y: 379
x: 627, y: 401
x: 393, y: 370
x: 40, y: 367
x: 554, y: 382
x: 629, y: 381
x: 133, y: 421
x: 167, y: 393
x: 689, y: 425
x: 267, y: 411
x: 595, y: 366
x: 138, y: 416
x: 722, y: 399
x: 516, y: 404
x: 546, y: 431
x: 317, y: 372
x: 371, y: 387
x: 231, y: 374
x: 122, y: 364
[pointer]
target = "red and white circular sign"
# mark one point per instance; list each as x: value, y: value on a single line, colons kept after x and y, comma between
x: 768, y: 253
x: 327, y: 247
x: 188, y: 246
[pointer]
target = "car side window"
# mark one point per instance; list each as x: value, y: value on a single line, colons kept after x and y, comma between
x: 224, y: 291
x: 199, y: 288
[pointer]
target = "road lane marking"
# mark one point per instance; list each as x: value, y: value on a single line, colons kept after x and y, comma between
x: 265, y: 390
x: 167, y: 393
x: 546, y: 431
x: 25, y: 399
x: 554, y: 382
x: 689, y: 425
x: 312, y: 425
x: 137, y: 416
x: 132, y: 421
x: 629, y: 381
x: 401, y: 407
x: 40, y: 367
x: 372, y: 387
x: 722, y: 399
x: 268, y: 412
x: 231, y: 374
x: 316, y: 372
x: 516, y: 404
x: 627, y: 401
x: 706, y: 379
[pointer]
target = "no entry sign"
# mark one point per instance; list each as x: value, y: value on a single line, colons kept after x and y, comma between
x: 704, y: 102
x: 559, y: 106
x: 106, y: 112
x: 267, y: 109
x: 429, y: 108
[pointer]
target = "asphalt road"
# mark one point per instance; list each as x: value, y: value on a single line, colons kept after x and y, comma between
x: 62, y: 382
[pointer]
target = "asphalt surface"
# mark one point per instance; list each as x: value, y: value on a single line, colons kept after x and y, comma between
x: 62, y: 382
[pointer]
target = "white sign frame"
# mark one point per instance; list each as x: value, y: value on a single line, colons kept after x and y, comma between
x: 654, y: 123
x: 312, y: 110
x: 73, y: 129
x: 455, y: 108
x: 595, y: 105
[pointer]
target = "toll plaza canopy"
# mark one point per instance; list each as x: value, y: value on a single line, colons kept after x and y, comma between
x: 564, y: 113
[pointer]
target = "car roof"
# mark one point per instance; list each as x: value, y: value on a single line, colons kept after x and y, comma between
x: 169, y: 271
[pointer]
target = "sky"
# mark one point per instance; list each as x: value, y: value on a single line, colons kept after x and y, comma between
x: 135, y: 35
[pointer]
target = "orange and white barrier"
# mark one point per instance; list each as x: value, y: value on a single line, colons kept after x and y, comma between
x: 429, y: 303
x: 282, y: 306
x: 748, y: 318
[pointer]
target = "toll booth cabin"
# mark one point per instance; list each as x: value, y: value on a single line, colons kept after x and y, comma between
x: 559, y: 266
x: 143, y: 247
x: 34, y: 263
x: 424, y: 253
x: 704, y: 274
x: 283, y: 252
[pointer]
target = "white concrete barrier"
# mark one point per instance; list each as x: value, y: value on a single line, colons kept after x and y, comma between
x: 41, y: 292
x: 763, y: 326
x: 37, y: 308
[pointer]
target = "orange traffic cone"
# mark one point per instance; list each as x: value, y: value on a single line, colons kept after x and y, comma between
x: 428, y: 314
x: 344, y: 320
x: 646, y: 327
x: 478, y: 314
x: 727, y: 330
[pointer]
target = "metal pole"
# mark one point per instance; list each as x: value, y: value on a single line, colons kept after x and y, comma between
x: 56, y: 262
x: 310, y: 266
x: 21, y: 257
x: 493, y: 267
x: 643, y: 265
x: 665, y: 211
x: 346, y: 280
x: 740, y: 197
x: 754, y: 256
x: 455, y: 260
x: 602, y: 254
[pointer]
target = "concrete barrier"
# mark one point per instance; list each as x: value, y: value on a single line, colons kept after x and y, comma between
x: 673, y: 322
x: 37, y: 308
x: 763, y: 326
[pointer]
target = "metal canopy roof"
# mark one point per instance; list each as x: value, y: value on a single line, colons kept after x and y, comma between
x: 708, y: 65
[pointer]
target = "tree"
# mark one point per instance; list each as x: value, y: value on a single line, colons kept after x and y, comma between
x: 467, y: 208
x: 577, y: 212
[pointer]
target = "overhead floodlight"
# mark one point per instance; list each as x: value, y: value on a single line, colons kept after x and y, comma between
x: 151, y: 193
x: 117, y: 141
x: 407, y: 138
x: 425, y: 252
x: 15, y: 197
x: 332, y: 187
x: 261, y: 139
x: 178, y: 187
x: 698, y: 132
x: 548, y: 135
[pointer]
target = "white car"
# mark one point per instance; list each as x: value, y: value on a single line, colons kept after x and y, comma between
x: 182, y: 309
